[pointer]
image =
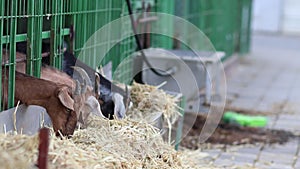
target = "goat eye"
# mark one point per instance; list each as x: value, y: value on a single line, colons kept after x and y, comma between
x: 68, y: 110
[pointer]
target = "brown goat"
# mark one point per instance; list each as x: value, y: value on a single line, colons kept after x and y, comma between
x: 82, y: 93
x: 83, y: 96
x: 55, y: 98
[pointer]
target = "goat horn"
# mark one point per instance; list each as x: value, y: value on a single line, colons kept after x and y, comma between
x: 83, y: 75
x: 78, y: 88
x: 127, y: 97
x: 80, y: 118
x: 97, y: 84
x: 84, y: 87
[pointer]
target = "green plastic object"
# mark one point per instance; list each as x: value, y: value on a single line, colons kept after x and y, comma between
x: 244, y: 120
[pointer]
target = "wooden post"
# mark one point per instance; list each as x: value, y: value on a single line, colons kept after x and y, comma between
x: 43, y: 148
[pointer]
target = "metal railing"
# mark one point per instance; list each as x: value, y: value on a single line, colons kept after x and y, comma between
x: 34, y: 23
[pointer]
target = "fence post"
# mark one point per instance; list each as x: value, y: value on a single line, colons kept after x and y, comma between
x: 30, y: 37
x: 34, y: 37
x: 180, y: 122
x: 12, y: 57
x: 38, y: 41
x: 1, y: 42
x: 56, y: 34
x: 245, y: 27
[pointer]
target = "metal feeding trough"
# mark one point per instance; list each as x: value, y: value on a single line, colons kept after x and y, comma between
x: 189, y: 73
x: 26, y: 119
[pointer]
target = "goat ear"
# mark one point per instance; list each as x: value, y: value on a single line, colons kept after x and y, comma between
x: 66, y: 99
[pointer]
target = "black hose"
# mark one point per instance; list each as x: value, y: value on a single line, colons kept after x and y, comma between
x: 155, y: 71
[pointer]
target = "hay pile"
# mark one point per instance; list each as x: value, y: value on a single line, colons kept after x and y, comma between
x: 18, y: 151
x: 148, y: 100
x: 151, y: 103
x: 105, y: 144
x: 126, y: 143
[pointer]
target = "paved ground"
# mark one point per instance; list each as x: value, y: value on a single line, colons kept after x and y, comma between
x: 266, y: 82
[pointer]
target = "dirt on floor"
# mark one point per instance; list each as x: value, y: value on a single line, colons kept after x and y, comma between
x: 229, y: 134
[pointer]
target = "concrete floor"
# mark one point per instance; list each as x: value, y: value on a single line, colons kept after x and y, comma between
x: 267, y: 81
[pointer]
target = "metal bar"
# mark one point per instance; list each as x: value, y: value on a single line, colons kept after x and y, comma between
x: 38, y: 41
x: 1, y: 42
x: 108, y: 19
x: 72, y: 23
x: 24, y: 37
x: 73, y: 26
x: 90, y: 29
x: 65, y: 13
x: 180, y: 122
x: 12, y: 58
x: 185, y: 32
x: 46, y: 7
x: 53, y: 45
x: 168, y: 25
x: 102, y: 22
x: 77, y: 25
x: 83, y: 28
x: 250, y: 9
x: 30, y: 37
x: 96, y: 21
x: 60, y: 37
x: 148, y: 19
x: 57, y: 35
x: 245, y: 25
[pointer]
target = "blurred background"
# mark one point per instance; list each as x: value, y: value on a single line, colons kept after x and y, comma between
x: 276, y: 17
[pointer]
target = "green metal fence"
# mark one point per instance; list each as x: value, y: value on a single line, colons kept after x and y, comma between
x: 30, y: 22
x: 225, y: 23
x: 122, y: 65
x: 89, y: 16
x: 167, y: 7
x: 51, y: 22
